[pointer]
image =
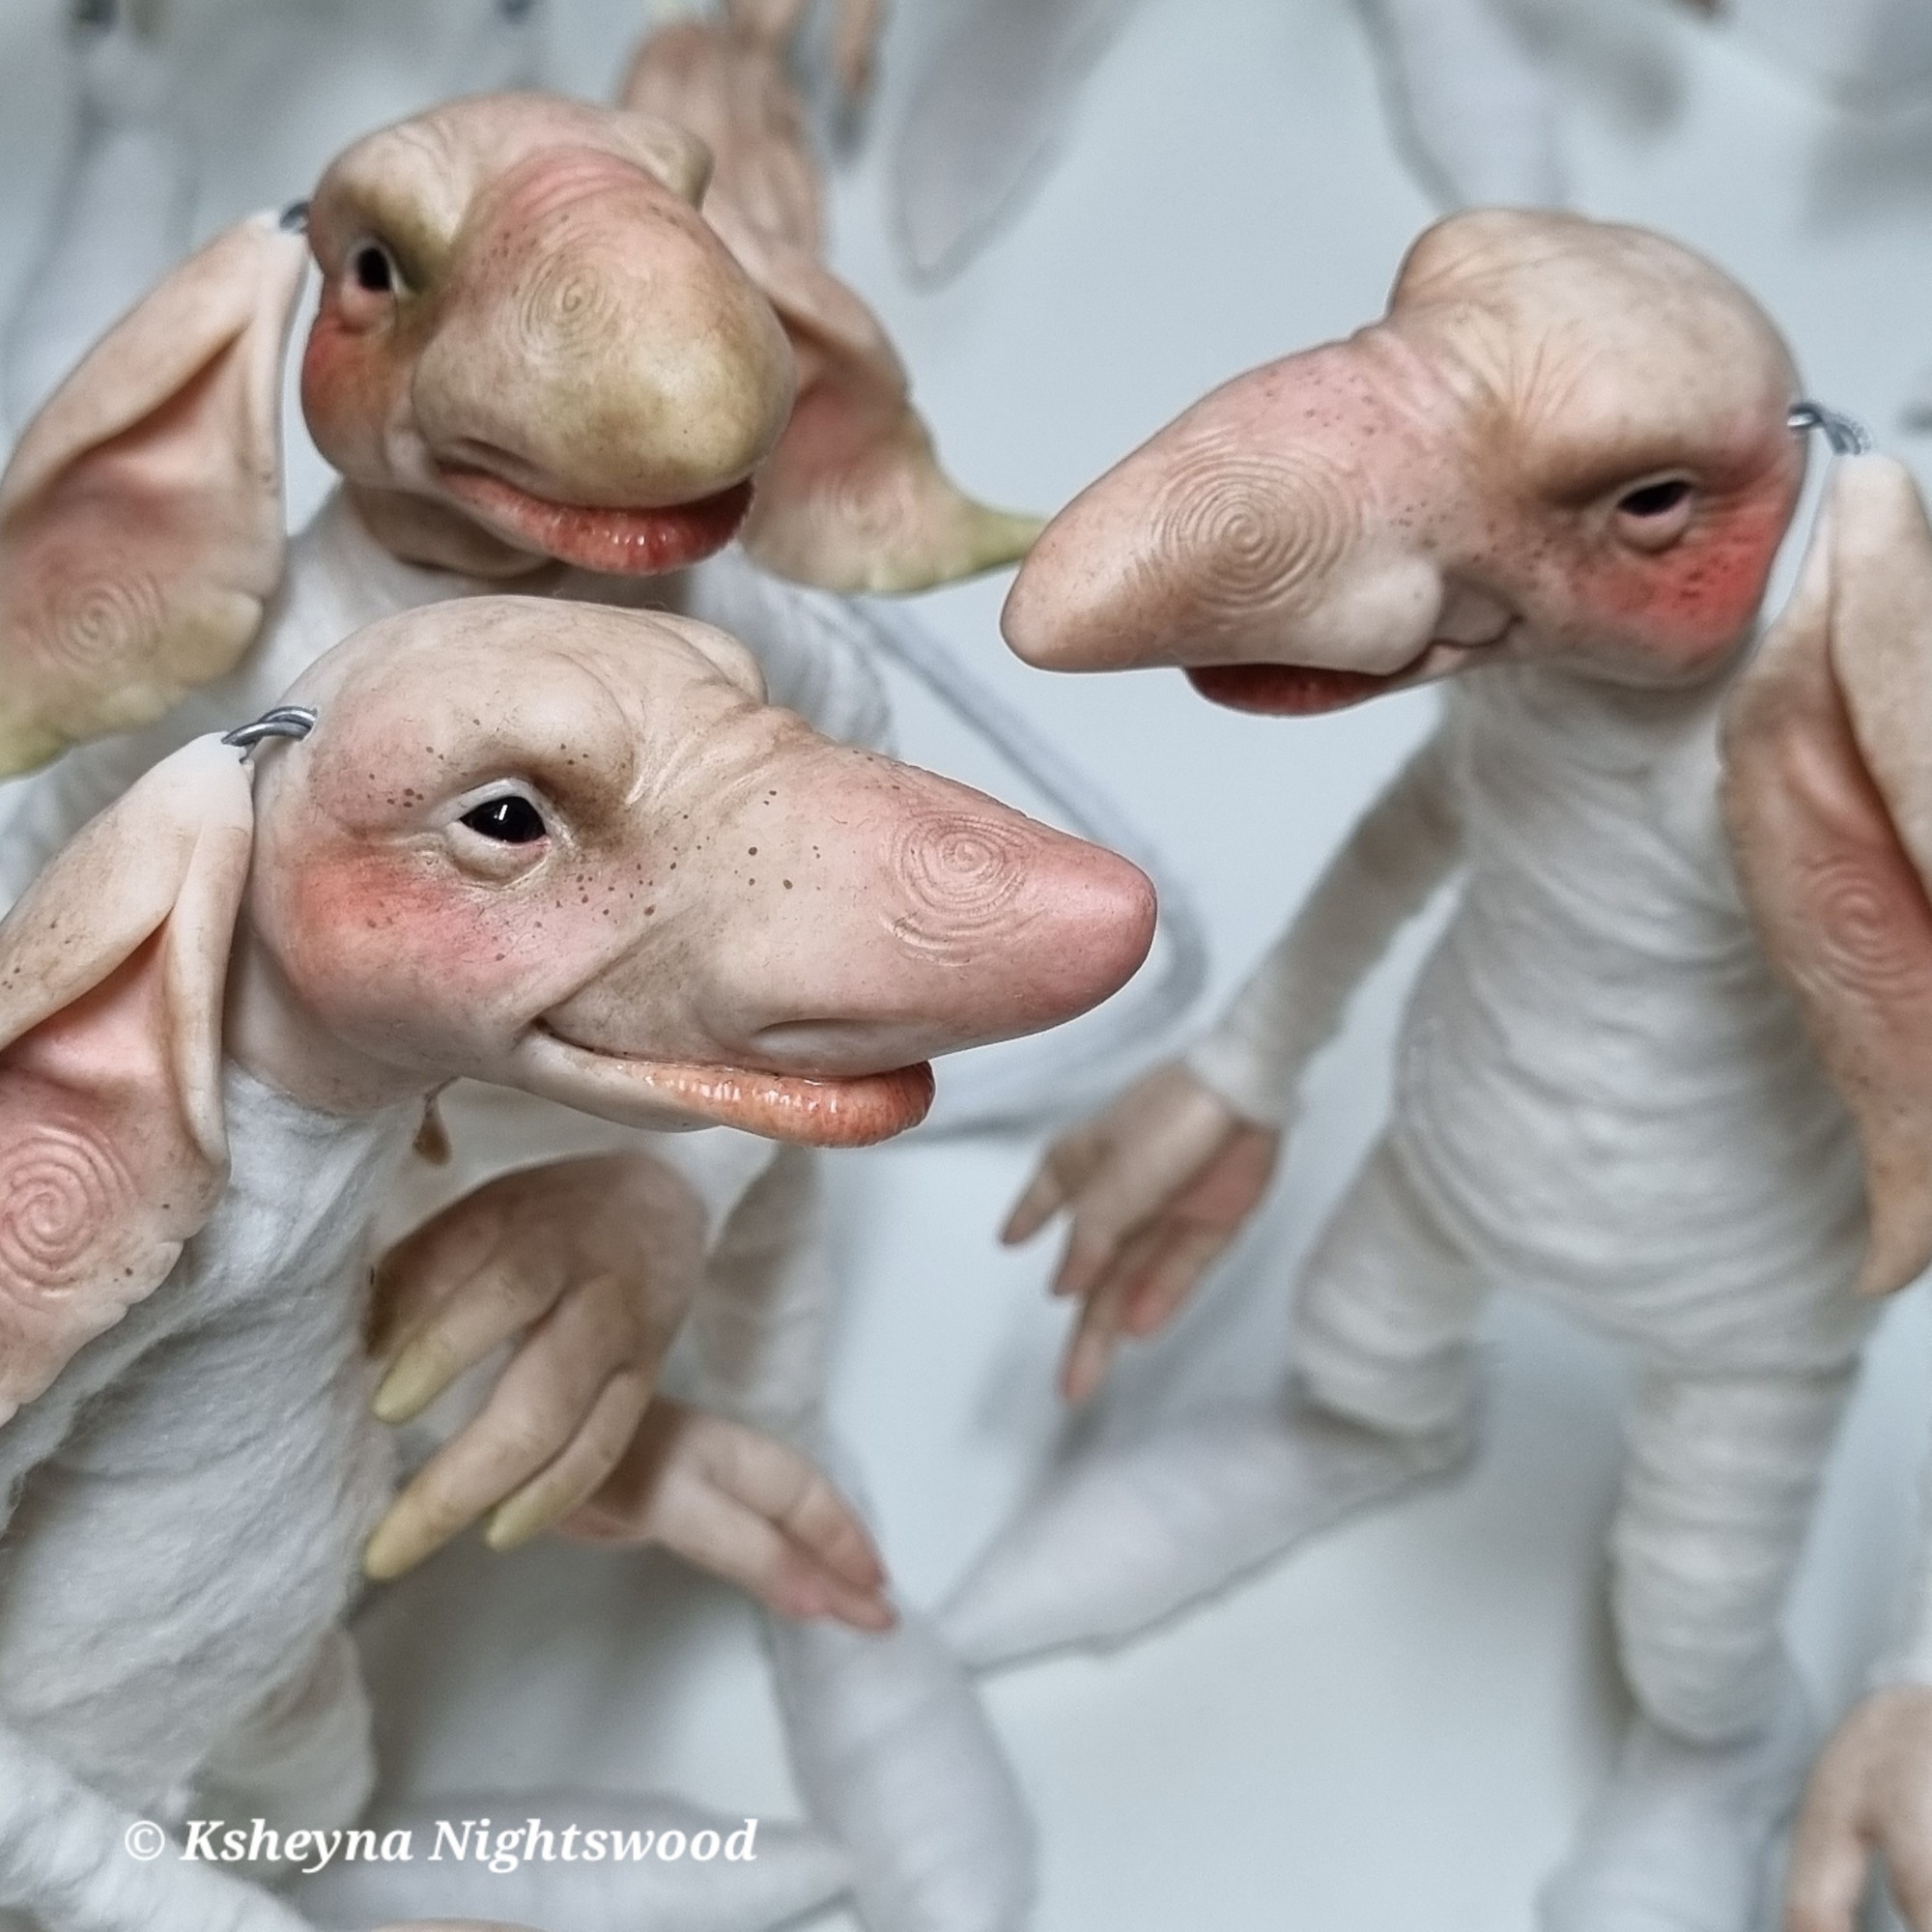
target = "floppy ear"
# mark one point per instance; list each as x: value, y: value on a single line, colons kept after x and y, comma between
x: 141, y: 525
x: 1828, y: 794
x: 853, y: 498
x: 112, y: 1147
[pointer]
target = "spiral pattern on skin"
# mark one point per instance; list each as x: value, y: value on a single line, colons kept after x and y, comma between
x: 962, y: 876
x: 567, y: 309
x: 61, y: 1189
x: 1247, y: 532
x: 1864, y: 927
x: 95, y: 626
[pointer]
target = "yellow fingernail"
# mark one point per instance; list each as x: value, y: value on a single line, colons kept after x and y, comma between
x: 414, y: 1381
x: 515, y: 1522
x: 390, y: 1552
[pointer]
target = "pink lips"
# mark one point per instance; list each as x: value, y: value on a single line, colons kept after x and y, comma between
x: 613, y: 542
x: 855, y: 1110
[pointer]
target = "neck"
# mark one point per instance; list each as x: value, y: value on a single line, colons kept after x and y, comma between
x: 271, y: 1035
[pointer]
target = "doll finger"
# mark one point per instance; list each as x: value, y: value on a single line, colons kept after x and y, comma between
x: 1090, y: 1352
x: 793, y: 1494
x: 480, y: 1313
x: 426, y: 1266
x: 708, y: 1526
x: 1061, y: 1173
x: 1110, y: 1229
x: 562, y: 1488
x: 538, y: 1406
x: 1171, y: 1277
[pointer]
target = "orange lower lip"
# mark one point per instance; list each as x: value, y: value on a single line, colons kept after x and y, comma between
x: 857, y: 1110
x: 613, y: 542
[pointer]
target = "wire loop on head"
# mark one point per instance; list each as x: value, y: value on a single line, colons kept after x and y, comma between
x: 284, y: 721
x: 1847, y: 436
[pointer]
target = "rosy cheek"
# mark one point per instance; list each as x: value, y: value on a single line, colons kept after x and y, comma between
x: 1697, y: 598
x: 343, y: 385
x: 374, y: 938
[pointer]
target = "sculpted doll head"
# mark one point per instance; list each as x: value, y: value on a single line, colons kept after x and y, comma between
x: 532, y: 349
x: 1566, y: 441
x: 574, y: 850
x: 557, y: 847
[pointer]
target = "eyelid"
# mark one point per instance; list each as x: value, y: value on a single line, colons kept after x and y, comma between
x: 451, y: 812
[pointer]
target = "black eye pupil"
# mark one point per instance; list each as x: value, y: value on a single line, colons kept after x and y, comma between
x: 1655, y: 498
x: 373, y: 272
x: 510, y: 821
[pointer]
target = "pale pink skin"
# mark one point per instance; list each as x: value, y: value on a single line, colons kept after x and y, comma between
x: 496, y: 406
x: 494, y: 411
x: 1457, y: 484
x: 1829, y: 797
x: 726, y: 917
x: 492, y: 404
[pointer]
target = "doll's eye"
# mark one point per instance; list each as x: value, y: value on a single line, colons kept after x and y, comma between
x: 1653, y: 517
x: 373, y: 269
x: 510, y: 820
x: 1655, y: 499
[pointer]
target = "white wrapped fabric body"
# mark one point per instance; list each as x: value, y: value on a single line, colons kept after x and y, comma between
x: 187, y: 1505
x: 769, y: 1295
x: 1603, y: 1098
x: 890, y: 1744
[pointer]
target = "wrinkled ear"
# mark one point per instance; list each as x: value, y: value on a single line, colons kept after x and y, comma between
x: 141, y: 525
x: 1828, y: 794
x: 112, y: 1149
x: 853, y: 498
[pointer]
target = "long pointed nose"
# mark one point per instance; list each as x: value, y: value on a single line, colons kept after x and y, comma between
x: 935, y: 918
x: 1261, y: 525
x: 600, y: 346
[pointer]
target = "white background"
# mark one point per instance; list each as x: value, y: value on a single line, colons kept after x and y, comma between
x: 1398, y: 1728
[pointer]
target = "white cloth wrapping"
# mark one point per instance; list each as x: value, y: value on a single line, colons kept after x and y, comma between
x: 185, y: 1504
x: 1602, y: 1097
x: 760, y: 1330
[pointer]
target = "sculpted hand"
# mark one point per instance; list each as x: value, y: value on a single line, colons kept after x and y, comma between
x: 593, y: 1262
x: 1872, y: 1792
x: 1157, y: 1185
x: 745, y: 1508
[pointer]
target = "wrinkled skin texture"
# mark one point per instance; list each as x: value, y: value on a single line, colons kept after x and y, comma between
x: 472, y: 374
x: 1475, y: 479
x: 524, y: 843
x: 470, y: 371
x: 1871, y: 1794
x: 676, y: 842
